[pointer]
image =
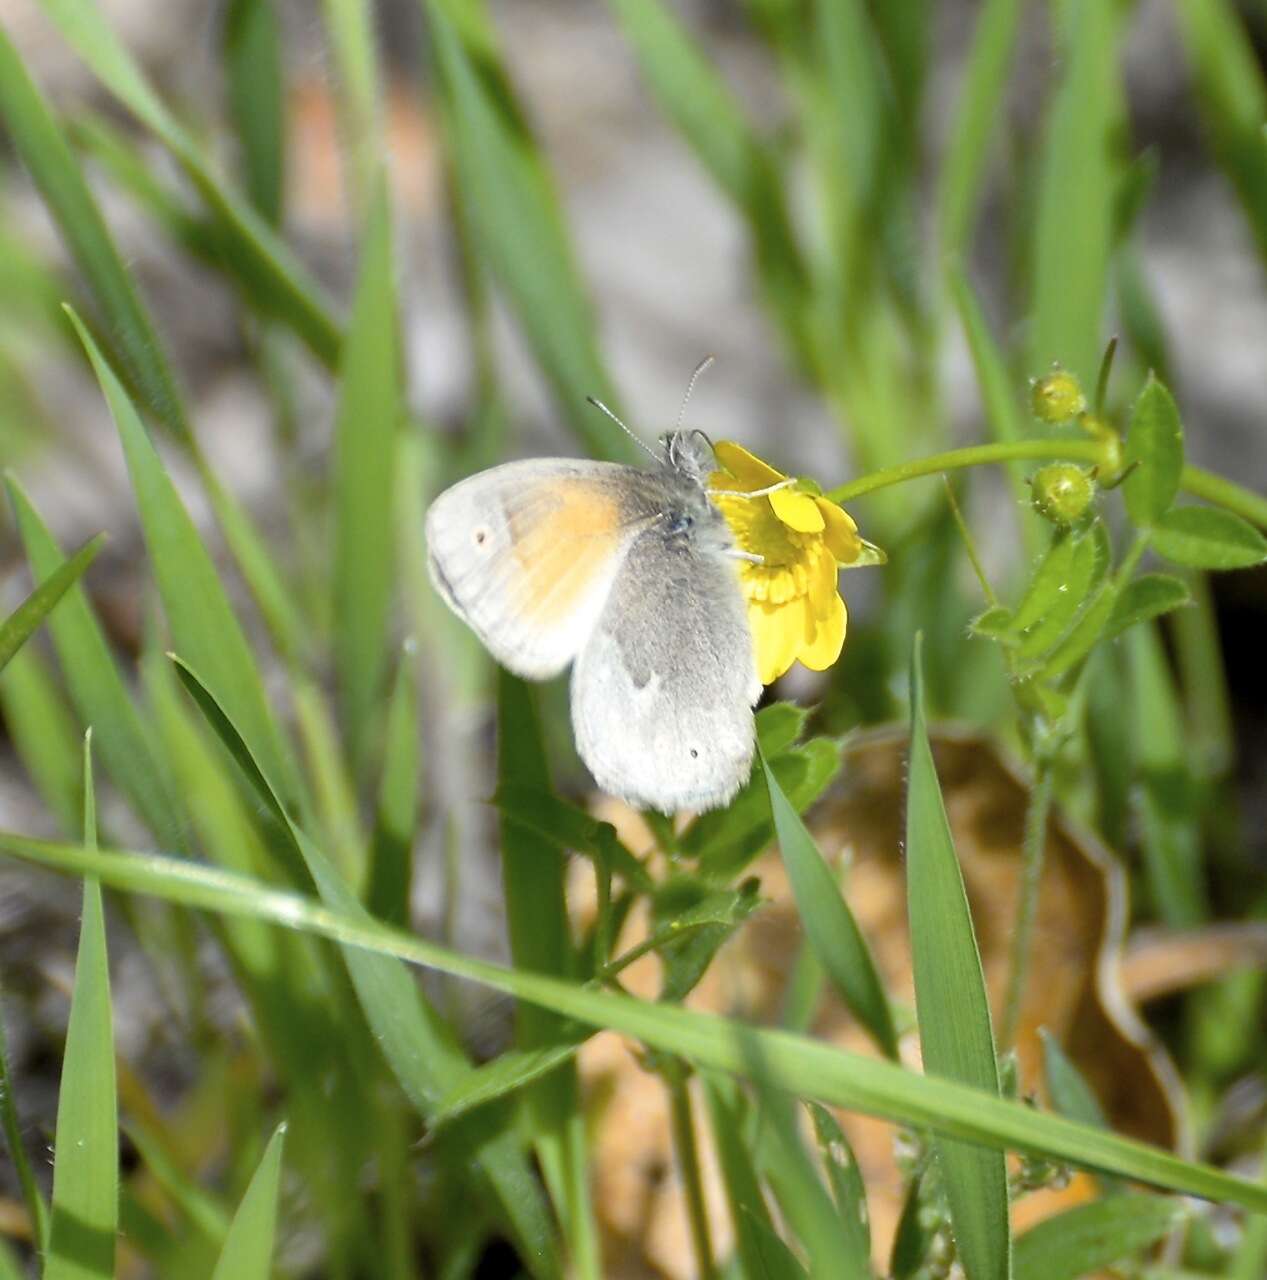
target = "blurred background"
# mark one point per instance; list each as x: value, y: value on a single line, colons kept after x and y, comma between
x: 828, y: 207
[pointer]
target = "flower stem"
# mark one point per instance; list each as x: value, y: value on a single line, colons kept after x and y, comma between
x: 688, y: 1164
x: 973, y: 456
x: 1196, y: 481
x: 1033, y: 851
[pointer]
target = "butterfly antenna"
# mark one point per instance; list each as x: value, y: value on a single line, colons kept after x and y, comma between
x: 690, y: 386
x: 642, y: 444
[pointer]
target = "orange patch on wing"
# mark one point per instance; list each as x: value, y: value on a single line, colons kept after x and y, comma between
x: 563, y: 540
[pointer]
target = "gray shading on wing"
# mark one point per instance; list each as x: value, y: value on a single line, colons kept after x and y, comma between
x: 663, y: 691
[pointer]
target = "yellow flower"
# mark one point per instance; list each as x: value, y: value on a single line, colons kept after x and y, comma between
x: 795, y: 611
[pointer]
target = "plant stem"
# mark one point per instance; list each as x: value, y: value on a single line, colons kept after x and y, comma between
x: 1034, y: 848
x: 1196, y: 481
x: 688, y: 1163
x: 974, y: 456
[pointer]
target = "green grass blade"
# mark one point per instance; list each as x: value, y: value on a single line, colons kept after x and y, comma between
x: 256, y: 88
x: 540, y: 941
x: 950, y: 998
x: 976, y: 117
x: 1069, y: 1092
x: 1093, y: 1236
x: 390, y: 883
x: 18, y: 627
x: 1232, y: 96
x: 202, y: 622
x: 829, y: 924
x: 799, y: 1065
x: 364, y: 468
x: 1074, y: 220
x: 60, y: 179
x: 259, y: 259
x: 97, y: 688
x: 507, y: 194
x: 848, y: 1191
x: 248, y: 1249
x: 350, y: 28
x: 85, y: 1209
x: 417, y: 1043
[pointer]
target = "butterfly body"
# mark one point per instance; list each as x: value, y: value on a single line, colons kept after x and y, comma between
x: 629, y: 574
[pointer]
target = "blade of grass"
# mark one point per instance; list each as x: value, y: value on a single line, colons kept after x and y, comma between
x: 60, y: 179
x: 18, y: 627
x: 256, y: 86
x: 976, y: 116
x: 350, y: 30
x: 391, y: 849
x: 202, y: 622
x: 848, y: 1190
x: 248, y: 1249
x: 271, y: 275
x: 832, y: 930
x: 507, y: 193
x: 419, y: 1046
x: 85, y: 1209
x: 1074, y: 219
x: 950, y: 999
x: 802, y: 1066
x: 364, y: 467
x: 97, y: 689
x: 540, y: 941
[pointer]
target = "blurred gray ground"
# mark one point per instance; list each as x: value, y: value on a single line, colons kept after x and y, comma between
x: 664, y: 258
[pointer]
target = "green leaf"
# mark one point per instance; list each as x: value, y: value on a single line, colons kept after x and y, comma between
x: 202, y: 622
x: 85, y: 1210
x: 1083, y: 636
x: 1074, y: 218
x: 829, y: 924
x: 1208, y: 538
x: 259, y: 259
x: 354, y: 55
x: 248, y: 1249
x: 17, y: 628
x: 801, y: 1066
x: 507, y: 194
x: 1067, y: 1087
x: 95, y: 685
x: 774, y: 1259
x: 364, y: 467
x: 60, y: 179
x: 1146, y: 597
x: 1093, y: 1236
x: 1058, y: 591
x: 954, y: 1014
x: 849, y: 1192
x: 1154, y: 448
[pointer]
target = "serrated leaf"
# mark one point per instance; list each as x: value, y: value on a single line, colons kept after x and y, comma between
x: 1148, y: 596
x: 18, y: 627
x: 1091, y: 1236
x: 1154, y: 449
x: 950, y: 997
x: 1208, y: 538
x: 829, y: 924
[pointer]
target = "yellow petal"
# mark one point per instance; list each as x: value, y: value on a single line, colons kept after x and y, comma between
x: 747, y: 471
x: 798, y: 511
x: 822, y: 582
x: 776, y: 636
x: 828, y: 641
x: 841, y: 533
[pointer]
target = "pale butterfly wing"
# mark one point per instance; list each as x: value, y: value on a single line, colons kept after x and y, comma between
x: 663, y: 691
x: 526, y: 554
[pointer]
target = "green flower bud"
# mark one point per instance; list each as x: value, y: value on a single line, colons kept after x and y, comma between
x: 1057, y: 397
x: 1062, y: 493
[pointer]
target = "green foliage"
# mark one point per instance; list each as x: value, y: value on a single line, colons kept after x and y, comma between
x: 276, y: 755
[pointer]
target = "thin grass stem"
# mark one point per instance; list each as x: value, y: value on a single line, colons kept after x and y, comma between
x: 688, y: 1163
